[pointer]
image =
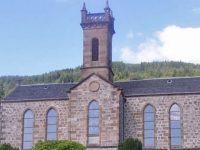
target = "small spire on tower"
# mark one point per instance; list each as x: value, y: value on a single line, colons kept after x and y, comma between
x: 107, y: 4
x: 84, y: 6
x: 107, y: 8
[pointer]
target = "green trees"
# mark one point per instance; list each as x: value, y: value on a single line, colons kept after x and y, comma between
x: 50, y: 145
x: 130, y: 144
x: 121, y: 70
x: 2, y: 94
x: 146, y: 70
x: 7, y: 147
x: 58, y: 145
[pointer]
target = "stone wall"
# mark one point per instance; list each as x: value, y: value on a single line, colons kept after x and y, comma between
x: 103, y: 66
x: 0, y: 123
x: 121, y: 123
x: 72, y: 116
x: 102, y: 35
x: 108, y: 98
x: 190, y: 106
x: 12, y: 120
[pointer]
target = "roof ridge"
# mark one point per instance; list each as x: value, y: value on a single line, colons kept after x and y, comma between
x: 40, y: 84
x: 153, y: 79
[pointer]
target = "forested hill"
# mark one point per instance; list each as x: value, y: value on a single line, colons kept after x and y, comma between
x: 121, y: 70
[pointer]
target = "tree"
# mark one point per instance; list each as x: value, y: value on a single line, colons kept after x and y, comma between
x: 7, y: 147
x: 58, y: 145
x: 130, y: 144
x: 122, y: 71
x: 2, y: 93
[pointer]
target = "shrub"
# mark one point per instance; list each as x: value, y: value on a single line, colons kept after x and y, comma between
x: 58, y: 145
x: 7, y: 147
x: 130, y: 144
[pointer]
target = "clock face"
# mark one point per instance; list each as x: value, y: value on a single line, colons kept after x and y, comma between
x: 94, y: 86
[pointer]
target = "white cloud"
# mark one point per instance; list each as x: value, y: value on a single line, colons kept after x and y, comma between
x: 196, y: 10
x: 128, y: 55
x: 172, y: 43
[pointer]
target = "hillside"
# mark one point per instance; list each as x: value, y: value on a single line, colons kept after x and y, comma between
x: 121, y: 70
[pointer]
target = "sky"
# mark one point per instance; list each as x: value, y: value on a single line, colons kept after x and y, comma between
x: 39, y: 36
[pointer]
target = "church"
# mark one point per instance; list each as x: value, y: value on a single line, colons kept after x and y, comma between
x: 164, y: 114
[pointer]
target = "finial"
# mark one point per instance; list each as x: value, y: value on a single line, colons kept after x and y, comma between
x: 107, y: 4
x: 84, y: 6
x: 107, y: 8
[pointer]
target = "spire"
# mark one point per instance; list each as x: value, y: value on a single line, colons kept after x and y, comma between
x: 107, y: 8
x: 107, y: 4
x: 84, y: 7
x: 83, y: 13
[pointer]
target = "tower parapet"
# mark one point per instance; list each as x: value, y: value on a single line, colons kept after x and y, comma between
x: 95, y: 20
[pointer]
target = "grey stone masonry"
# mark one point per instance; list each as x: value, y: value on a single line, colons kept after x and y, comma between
x: 190, y: 119
x: 12, y: 120
x: 72, y: 115
x: 0, y: 122
x: 108, y: 98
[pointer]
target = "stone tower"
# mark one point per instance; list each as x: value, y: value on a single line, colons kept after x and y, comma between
x: 98, y: 29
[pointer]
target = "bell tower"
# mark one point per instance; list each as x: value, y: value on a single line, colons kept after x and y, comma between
x: 98, y: 29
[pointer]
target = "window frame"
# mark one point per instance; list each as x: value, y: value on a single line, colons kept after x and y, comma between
x: 148, y: 121
x: 56, y: 123
x: 24, y: 127
x: 93, y: 139
x: 180, y: 129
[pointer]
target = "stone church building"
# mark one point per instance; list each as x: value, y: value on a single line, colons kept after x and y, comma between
x: 98, y: 112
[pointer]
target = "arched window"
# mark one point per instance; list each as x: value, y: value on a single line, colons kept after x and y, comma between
x: 149, y: 125
x: 95, y: 49
x: 175, y: 125
x: 52, y: 125
x: 28, y: 130
x: 93, y: 122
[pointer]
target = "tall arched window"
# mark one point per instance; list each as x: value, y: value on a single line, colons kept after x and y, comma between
x: 28, y: 130
x: 175, y: 125
x: 95, y: 49
x: 52, y: 125
x: 149, y: 126
x: 93, y: 122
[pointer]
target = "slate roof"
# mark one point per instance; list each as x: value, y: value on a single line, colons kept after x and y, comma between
x: 168, y: 86
x: 185, y: 85
x: 39, y: 92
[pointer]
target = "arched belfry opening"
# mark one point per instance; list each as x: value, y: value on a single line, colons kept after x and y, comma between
x: 98, y: 30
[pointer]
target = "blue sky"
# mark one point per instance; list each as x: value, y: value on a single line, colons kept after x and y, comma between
x: 38, y: 36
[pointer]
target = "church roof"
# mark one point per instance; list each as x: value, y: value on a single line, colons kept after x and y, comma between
x: 39, y: 92
x: 170, y: 86
x: 184, y: 85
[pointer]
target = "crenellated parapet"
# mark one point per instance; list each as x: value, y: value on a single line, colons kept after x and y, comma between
x: 89, y: 20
